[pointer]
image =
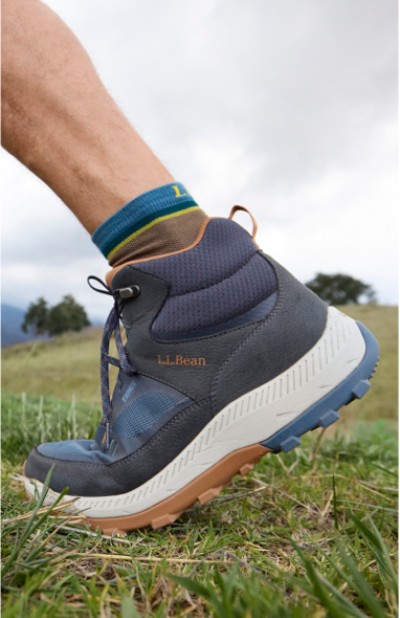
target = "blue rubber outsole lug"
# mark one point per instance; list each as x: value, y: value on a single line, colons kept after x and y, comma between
x: 325, y: 411
x: 361, y: 389
x: 289, y: 443
x: 328, y: 418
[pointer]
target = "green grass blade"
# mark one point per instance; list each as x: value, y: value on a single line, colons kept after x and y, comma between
x: 360, y: 584
x: 128, y: 608
x: 318, y: 587
x: 379, y: 549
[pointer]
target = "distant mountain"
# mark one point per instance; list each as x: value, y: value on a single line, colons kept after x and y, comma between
x: 11, y: 332
x: 11, y: 320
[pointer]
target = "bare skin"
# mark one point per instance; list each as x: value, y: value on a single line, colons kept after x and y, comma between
x: 59, y: 120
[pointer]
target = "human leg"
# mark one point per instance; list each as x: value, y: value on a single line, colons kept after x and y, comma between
x: 59, y: 120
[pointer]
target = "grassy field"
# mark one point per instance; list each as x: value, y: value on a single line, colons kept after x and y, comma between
x: 311, y: 533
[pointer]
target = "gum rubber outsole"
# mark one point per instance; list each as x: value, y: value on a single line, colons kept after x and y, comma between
x: 202, y: 489
x: 209, y: 484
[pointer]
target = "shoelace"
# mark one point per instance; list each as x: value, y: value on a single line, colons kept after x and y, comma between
x: 112, y: 327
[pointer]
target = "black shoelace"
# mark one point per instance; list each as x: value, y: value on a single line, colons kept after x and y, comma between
x: 112, y: 327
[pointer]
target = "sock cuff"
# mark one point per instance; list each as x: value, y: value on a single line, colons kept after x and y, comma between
x: 156, y: 205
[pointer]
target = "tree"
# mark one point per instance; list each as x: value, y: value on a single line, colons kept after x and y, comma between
x: 67, y: 315
x: 341, y: 289
x: 36, y: 317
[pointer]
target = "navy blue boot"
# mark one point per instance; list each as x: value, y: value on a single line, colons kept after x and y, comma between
x: 228, y: 357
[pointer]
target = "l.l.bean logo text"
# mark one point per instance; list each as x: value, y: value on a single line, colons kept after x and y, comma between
x: 178, y: 359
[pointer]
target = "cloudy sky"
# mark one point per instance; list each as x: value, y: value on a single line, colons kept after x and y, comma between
x: 288, y: 107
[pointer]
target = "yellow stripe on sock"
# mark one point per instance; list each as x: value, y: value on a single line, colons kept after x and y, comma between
x: 148, y: 226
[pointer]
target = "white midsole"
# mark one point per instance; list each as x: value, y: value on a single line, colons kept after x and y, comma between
x: 250, y: 419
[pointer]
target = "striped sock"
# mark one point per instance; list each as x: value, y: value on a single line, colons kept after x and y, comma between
x: 160, y: 221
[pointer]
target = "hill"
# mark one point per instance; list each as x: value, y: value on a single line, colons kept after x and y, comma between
x: 11, y: 320
x: 64, y: 366
x: 69, y: 365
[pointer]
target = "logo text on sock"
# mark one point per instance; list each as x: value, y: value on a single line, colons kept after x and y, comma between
x: 178, y: 359
x: 178, y: 191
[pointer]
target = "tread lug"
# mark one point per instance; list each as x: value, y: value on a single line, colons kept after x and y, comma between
x: 328, y: 418
x: 208, y: 495
x: 361, y: 388
x: 246, y: 468
x: 290, y: 443
x: 164, y: 520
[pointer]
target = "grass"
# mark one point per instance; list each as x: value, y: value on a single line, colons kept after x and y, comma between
x: 383, y: 322
x: 65, y: 366
x: 304, y: 533
x: 310, y: 533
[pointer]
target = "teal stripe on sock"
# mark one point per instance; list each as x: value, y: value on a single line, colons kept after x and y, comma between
x: 140, y: 212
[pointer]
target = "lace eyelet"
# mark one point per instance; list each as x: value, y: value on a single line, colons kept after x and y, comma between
x: 130, y: 292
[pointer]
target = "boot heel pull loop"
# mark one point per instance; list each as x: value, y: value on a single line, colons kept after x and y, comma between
x: 236, y: 208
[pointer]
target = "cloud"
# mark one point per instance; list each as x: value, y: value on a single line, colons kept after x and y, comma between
x: 287, y: 107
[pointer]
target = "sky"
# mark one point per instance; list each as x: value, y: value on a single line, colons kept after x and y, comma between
x: 286, y: 107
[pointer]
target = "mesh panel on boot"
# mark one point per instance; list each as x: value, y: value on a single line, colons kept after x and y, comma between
x: 139, y: 403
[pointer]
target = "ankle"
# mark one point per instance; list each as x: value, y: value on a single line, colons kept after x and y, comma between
x: 158, y: 222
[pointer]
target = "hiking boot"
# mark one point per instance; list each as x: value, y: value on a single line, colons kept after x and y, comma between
x: 228, y: 357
